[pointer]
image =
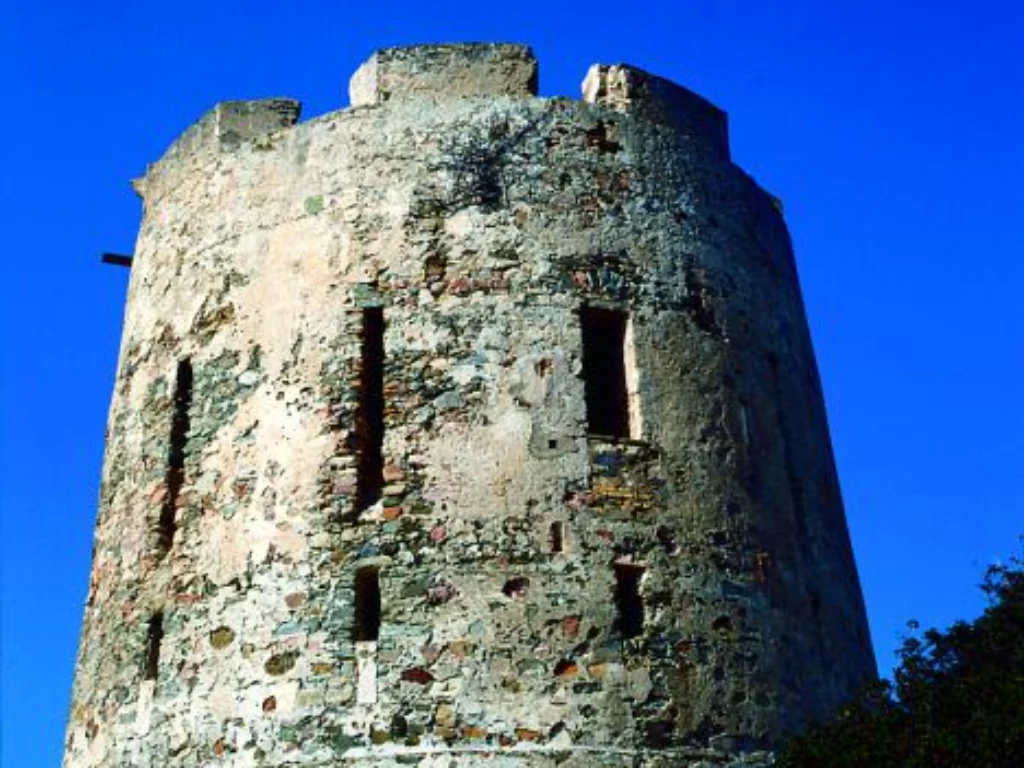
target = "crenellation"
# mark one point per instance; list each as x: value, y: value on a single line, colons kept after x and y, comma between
x: 230, y: 123
x: 442, y: 72
x: 500, y: 441
x: 224, y: 128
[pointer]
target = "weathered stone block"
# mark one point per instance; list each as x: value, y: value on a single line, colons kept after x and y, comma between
x: 442, y: 72
x: 633, y: 91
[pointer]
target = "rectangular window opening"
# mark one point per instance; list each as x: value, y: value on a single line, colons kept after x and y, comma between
x: 154, y: 636
x: 605, y: 364
x: 628, y: 601
x: 366, y: 626
x: 176, y: 454
x: 370, y: 410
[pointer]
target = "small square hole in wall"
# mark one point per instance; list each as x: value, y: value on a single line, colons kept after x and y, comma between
x: 516, y: 587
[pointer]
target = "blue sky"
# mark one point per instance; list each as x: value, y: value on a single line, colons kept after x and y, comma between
x: 894, y: 133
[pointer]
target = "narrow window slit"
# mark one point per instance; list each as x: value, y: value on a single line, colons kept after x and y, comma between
x: 154, y: 636
x: 628, y: 602
x: 175, y: 478
x: 370, y: 413
x: 793, y: 477
x: 366, y: 626
x: 814, y: 598
x: 607, y: 393
x: 557, y: 536
x: 745, y: 430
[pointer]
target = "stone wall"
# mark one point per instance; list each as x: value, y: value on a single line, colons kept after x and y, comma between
x: 679, y: 595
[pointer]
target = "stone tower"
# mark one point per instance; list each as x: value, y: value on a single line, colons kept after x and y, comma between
x: 464, y: 427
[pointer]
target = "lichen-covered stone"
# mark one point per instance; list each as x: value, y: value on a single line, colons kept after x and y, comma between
x: 221, y: 637
x: 678, y: 596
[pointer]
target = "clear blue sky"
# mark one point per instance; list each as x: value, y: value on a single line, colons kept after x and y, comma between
x: 893, y: 131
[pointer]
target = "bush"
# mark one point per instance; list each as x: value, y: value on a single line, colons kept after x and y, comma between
x: 956, y: 700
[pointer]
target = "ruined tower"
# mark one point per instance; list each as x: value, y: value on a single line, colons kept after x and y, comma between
x: 463, y: 427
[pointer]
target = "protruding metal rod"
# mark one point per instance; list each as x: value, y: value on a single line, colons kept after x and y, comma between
x: 118, y: 259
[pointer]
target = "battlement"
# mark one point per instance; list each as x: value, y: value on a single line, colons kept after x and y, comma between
x: 226, y: 127
x: 230, y: 123
x: 445, y: 72
x: 453, y: 71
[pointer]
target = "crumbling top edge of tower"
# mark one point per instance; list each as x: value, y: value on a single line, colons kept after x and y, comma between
x: 225, y: 127
x: 439, y: 73
x: 631, y: 90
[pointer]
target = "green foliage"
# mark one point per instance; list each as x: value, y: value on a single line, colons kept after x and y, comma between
x: 957, y: 700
